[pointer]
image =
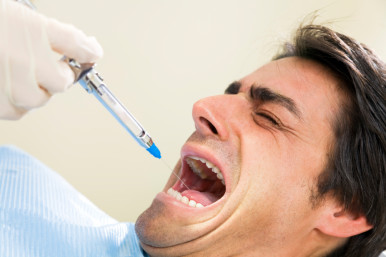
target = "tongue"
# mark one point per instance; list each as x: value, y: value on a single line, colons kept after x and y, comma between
x: 204, y: 198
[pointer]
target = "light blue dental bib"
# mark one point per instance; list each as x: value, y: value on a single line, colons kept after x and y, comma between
x: 41, y: 215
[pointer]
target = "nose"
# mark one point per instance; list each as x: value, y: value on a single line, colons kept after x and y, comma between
x: 212, y: 116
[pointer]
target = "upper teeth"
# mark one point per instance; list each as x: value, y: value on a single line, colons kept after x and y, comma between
x: 195, y: 168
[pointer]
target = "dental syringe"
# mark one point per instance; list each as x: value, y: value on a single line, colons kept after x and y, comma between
x: 90, y: 80
x: 93, y: 83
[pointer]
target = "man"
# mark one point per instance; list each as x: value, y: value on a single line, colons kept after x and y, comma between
x: 289, y: 162
x: 300, y: 148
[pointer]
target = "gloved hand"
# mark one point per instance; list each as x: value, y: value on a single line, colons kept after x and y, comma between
x: 30, y: 70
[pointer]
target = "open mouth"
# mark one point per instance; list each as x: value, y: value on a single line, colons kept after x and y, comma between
x: 203, y: 183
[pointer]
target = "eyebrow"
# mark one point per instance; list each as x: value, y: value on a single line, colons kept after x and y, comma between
x: 266, y: 95
x: 233, y: 88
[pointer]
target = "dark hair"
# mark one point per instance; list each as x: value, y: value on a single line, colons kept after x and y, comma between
x: 356, y: 171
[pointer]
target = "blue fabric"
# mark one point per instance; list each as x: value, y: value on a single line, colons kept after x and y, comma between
x: 42, y: 215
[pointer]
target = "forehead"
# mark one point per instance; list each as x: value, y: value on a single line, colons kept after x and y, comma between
x: 312, y: 87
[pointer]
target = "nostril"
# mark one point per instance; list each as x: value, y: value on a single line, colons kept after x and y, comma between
x: 209, y: 124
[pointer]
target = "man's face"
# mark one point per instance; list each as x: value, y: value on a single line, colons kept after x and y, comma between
x: 269, y: 137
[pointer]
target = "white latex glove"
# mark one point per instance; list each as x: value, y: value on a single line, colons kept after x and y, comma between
x: 30, y: 70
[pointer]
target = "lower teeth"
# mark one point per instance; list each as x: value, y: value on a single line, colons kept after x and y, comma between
x: 177, y: 195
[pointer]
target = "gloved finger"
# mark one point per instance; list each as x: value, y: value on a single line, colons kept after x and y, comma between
x: 25, y: 92
x: 8, y: 111
x: 72, y: 42
x: 52, y: 75
x: 20, y: 85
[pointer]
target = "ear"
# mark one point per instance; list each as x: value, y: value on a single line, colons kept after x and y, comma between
x: 339, y: 222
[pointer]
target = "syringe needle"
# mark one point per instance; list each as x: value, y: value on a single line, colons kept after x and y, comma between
x: 175, y: 174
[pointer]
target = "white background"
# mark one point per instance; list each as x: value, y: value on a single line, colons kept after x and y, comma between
x: 160, y: 57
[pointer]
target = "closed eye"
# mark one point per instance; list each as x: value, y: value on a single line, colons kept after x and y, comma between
x: 269, y: 118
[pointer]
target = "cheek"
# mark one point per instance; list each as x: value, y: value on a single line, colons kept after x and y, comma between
x: 276, y: 206
x: 282, y: 158
x: 279, y: 179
